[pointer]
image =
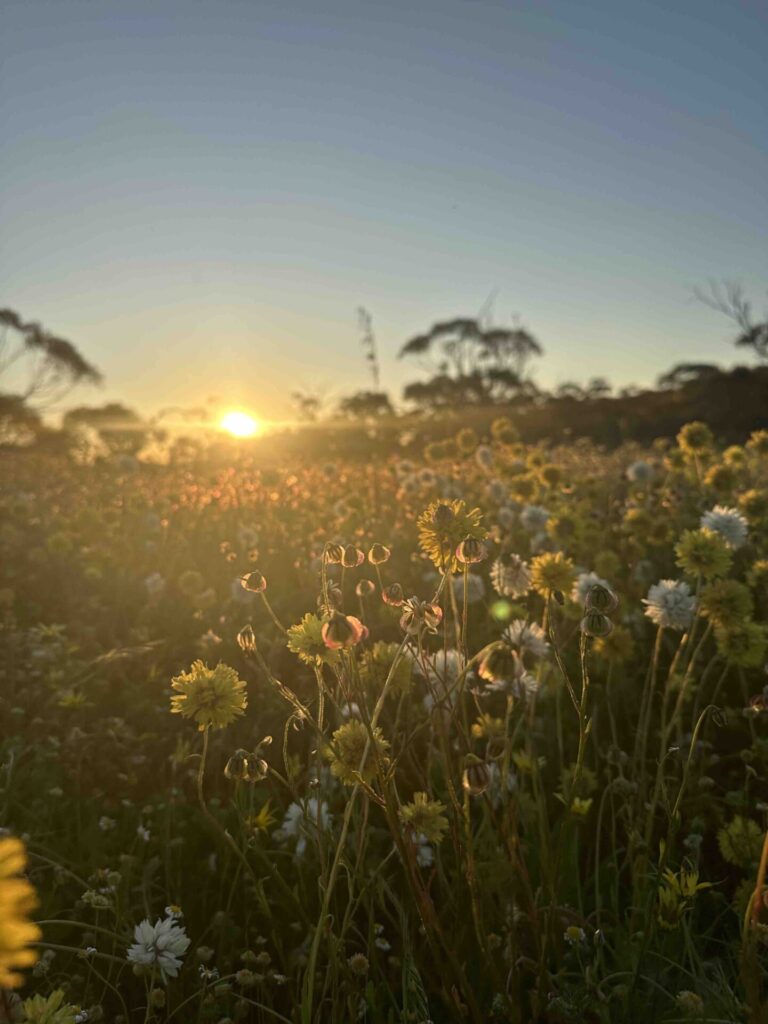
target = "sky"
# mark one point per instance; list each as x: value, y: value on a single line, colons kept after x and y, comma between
x: 200, y: 193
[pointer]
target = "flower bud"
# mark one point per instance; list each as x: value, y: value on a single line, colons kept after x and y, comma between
x: 255, y: 582
x: 470, y: 551
x: 499, y: 663
x: 343, y: 631
x: 378, y: 554
x: 476, y: 777
x: 246, y: 639
x: 420, y: 615
x: 595, y: 623
x: 393, y: 595
x: 334, y: 553
x: 601, y: 599
x: 365, y: 588
x: 352, y: 557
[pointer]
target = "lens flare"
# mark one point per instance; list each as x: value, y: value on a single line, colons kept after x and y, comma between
x: 240, y: 424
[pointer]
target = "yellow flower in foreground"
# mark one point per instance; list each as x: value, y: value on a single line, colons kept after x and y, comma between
x: 213, y: 697
x: 552, y: 571
x: 350, y: 744
x: 17, y: 899
x: 425, y: 818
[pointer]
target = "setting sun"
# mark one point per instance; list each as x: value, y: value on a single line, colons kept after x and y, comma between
x: 240, y: 424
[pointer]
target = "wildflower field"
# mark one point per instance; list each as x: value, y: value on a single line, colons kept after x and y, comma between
x: 478, y: 732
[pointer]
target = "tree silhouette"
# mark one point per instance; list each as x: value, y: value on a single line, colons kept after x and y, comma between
x: 470, y: 364
x: 728, y: 298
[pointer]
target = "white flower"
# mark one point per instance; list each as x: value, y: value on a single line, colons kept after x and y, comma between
x: 527, y: 636
x: 161, y: 944
x: 670, y: 604
x: 534, y: 518
x: 475, y: 588
x: 728, y: 522
x: 584, y: 583
x: 106, y: 824
x: 425, y: 855
x: 301, y: 822
x: 510, y: 576
x: 442, y: 672
x: 639, y: 472
x: 143, y: 833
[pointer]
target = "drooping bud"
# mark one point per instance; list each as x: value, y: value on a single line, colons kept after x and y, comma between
x: 596, y: 624
x: 470, y: 551
x: 378, y: 554
x: 476, y: 777
x: 499, y: 663
x: 393, y: 595
x: 352, y: 557
x: 343, y: 631
x: 255, y: 582
x: 333, y: 553
x: 365, y: 588
x: 420, y: 615
x: 246, y: 639
x: 601, y: 599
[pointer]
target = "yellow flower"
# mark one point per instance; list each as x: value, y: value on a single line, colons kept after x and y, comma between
x: 350, y: 744
x: 213, y: 697
x: 443, y: 526
x: 425, y: 818
x: 305, y: 639
x: 552, y: 571
x: 17, y: 899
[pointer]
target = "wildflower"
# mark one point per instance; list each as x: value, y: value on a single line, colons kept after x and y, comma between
x: 703, y: 553
x: 246, y: 767
x: 691, y: 1004
x: 393, y: 595
x: 212, y: 697
x: 443, y: 527
x: 726, y: 603
x: 670, y: 604
x: 333, y: 553
x: 143, y: 833
x: 376, y: 665
x: 106, y: 824
x: 246, y: 639
x: 471, y: 551
x: 551, y: 572
x: 695, y: 438
x: 378, y: 554
x: 475, y: 587
x: 352, y: 557
x: 594, y: 623
x: 343, y: 631
x: 675, y: 895
x: 574, y: 935
x: 49, y: 1009
x: 353, y: 754
x: 255, y: 582
x: 743, y: 644
x: 618, y: 646
x: 527, y: 637
x: 306, y: 640
x: 487, y: 727
x: 729, y: 523
x: 758, y: 442
x: 639, y: 472
x: 418, y: 615
x: 740, y: 842
x: 534, y: 518
x: 754, y: 505
x: 358, y: 964
x: 599, y: 597
x: 365, y: 587
x: 425, y: 817
x: 476, y: 777
x: 302, y: 822
x: 510, y: 576
x: 17, y: 899
x: 161, y: 944
x: 499, y: 663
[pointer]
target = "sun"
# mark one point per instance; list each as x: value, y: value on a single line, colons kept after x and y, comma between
x: 240, y: 424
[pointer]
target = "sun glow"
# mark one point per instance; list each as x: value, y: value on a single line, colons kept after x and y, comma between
x: 240, y: 424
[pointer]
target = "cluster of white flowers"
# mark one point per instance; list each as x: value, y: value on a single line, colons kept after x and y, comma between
x: 527, y: 638
x: 511, y: 576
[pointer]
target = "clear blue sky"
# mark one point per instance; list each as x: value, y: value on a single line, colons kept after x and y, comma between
x: 200, y: 192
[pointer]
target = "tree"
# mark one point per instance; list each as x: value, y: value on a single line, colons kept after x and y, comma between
x: 470, y: 364
x: 366, y: 404
x: 728, y: 298
x: 43, y: 366
x: 120, y: 428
